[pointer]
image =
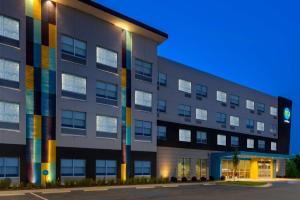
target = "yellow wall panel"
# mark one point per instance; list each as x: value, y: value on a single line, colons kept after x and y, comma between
x: 128, y: 117
x: 52, y: 36
x: 123, y: 77
x: 37, y: 125
x: 29, y: 77
x: 37, y: 9
x: 123, y: 172
x: 45, y: 57
x: 51, y: 151
x: 253, y: 169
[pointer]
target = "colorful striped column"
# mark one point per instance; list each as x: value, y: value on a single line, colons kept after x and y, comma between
x: 126, y: 103
x: 40, y: 90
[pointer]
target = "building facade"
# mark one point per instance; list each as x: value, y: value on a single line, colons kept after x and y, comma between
x: 83, y: 94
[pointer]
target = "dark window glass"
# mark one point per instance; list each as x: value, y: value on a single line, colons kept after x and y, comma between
x: 260, y: 107
x: 201, y: 90
x: 184, y: 110
x: 106, y: 167
x: 250, y: 124
x: 234, y: 100
x: 161, y: 132
x: 261, y: 144
x: 161, y: 106
x: 143, y: 68
x: 162, y: 79
x: 234, y: 141
x: 142, y: 168
x: 221, y: 118
x: 143, y: 128
x: 73, y: 47
x: 72, y: 119
x: 201, y: 137
x: 107, y: 90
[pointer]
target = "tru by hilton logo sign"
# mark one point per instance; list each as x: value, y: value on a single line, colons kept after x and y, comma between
x: 287, y: 115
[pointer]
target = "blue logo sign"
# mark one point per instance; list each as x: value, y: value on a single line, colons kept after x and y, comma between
x: 287, y: 115
x: 45, y: 172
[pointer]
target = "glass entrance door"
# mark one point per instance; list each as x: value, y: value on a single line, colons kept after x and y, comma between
x: 264, y: 169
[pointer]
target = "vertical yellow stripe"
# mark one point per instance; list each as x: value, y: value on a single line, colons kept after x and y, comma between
x: 37, y: 122
x: 45, y: 57
x: 123, y: 77
x: 37, y: 9
x: 51, y: 151
x: 29, y: 77
x: 128, y: 117
x: 52, y: 36
x: 123, y: 172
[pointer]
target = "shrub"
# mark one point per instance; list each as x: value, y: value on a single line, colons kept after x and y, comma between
x: 173, y: 179
x: 211, y: 178
x: 203, y: 179
x: 5, y: 183
x: 194, y: 179
x: 184, y: 179
x: 222, y: 178
x: 291, y: 169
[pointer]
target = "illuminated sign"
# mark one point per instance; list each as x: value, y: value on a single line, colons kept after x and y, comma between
x: 287, y: 115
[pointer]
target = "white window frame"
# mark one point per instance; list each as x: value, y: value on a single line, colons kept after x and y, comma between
x: 185, y: 135
x: 273, y: 146
x: 234, y: 121
x: 74, y: 79
x: 221, y: 140
x: 6, y: 116
x: 142, y: 98
x: 201, y: 114
x: 221, y: 96
x: 260, y: 126
x: 274, y: 111
x: 4, y: 32
x: 106, y: 57
x: 7, y: 69
x: 250, y: 143
x: 107, y: 128
x: 185, y: 86
x: 250, y: 105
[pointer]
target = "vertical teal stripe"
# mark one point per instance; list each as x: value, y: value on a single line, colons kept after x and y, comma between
x: 37, y: 31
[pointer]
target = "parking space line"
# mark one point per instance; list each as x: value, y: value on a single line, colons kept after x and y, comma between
x: 10, y: 194
x: 95, y: 189
x: 56, y: 191
x: 38, y: 196
x: 145, y: 187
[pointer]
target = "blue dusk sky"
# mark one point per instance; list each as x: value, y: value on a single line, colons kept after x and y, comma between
x: 255, y: 43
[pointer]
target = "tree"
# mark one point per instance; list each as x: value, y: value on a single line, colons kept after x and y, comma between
x: 235, y: 162
x: 291, y: 169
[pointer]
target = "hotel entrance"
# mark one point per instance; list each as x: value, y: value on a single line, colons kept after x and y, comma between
x: 264, y: 169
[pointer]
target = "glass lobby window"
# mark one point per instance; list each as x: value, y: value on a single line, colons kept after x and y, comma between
x: 71, y: 167
x: 9, y: 167
x: 161, y: 132
x: 234, y: 100
x: 250, y: 124
x: 221, y: 96
x: 107, y: 124
x: 243, y: 169
x: 273, y: 111
x: 184, y: 168
x: 260, y: 126
x: 9, y: 115
x: 184, y: 110
x: 221, y: 118
x: 235, y: 141
x: 73, y: 119
x: 143, y: 70
x: 201, y: 90
x: 9, y: 28
x: 201, y: 137
x: 107, y: 57
x: 273, y: 146
x: 234, y: 121
x: 221, y: 140
x: 250, y: 104
x: 73, y: 47
x: 261, y: 144
x: 201, y: 168
x: 184, y: 135
x: 161, y: 106
x: 9, y: 70
x: 106, y: 168
x: 250, y: 143
x: 143, y: 128
x: 185, y: 86
x: 201, y: 114
x: 142, y: 168
x: 143, y: 100
x: 162, y: 79
x: 74, y: 84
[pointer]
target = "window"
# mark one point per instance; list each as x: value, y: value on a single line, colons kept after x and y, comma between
x: 143, y: 130
x: 143, y: 70
x: 273, y: 111
x: 184, y: 110
x: 201, y: 114
x: 273, y: 146
x: 201, y: 168
x: 234, y: 100
x: 9, y: 115
x: 106, y: 126
x: 161, y: 106
x: 201, y: 137
x: 71, y: 167
x: 260, y: 126
x: 201, y: 90
x: 106, y: 93
x: 250, y: 143
x: 73, y: 119
x: 106, y: 59
x: 142, y: 168
x: 73, y: 86
x: 261, y: 144
x: 250, y: 104
x: 250, y: 124
x: 162, y: 79
x: 184, y: 167
x: 143, y: 100
x: 273, y: 128
x: 235, y: 141
x: 221, y: 96
x: 184, y: 135
x: 221, y: 140
x: 9, y: 28
x: 260, y: 107
x: 221, y: 118
x: 161, y: 132
x: 185, y: 86
x: 106, y: 168
x: 9, y: 167
x: 234, y: 121
x: 72, y: 47
x: 9, y: 73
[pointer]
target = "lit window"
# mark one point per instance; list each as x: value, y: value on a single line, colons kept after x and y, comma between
x: 221, y: 140
x: 221, y: 96
x: 184, y: 135
x: 106, y: 168
x: 250, y: 104
x: 184, y: 110
x: 72, y: 119
x: 9, y: 115
x: 162, y: 79
x: 261, y: 144
x: 201, y: 90
x: 260, y: 126
x: 9, y: 28
x: 9, y: 70
x: 273, y: 111
x: 9, y: 167
x: 184, y: 86
x: 73, y: 168
x: 250, y: 143
x: 142, y: 168
x: 106, y: 124
x: 273, y: 146
x: 234, y: 121
x: 73, y: 84
x: 235, y: 141
x: 221, y: 118
x: 201, y: 137
x: 161, y: 132
x: 201, y: 114
x: 107, y: 57
x: 143, y: 100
